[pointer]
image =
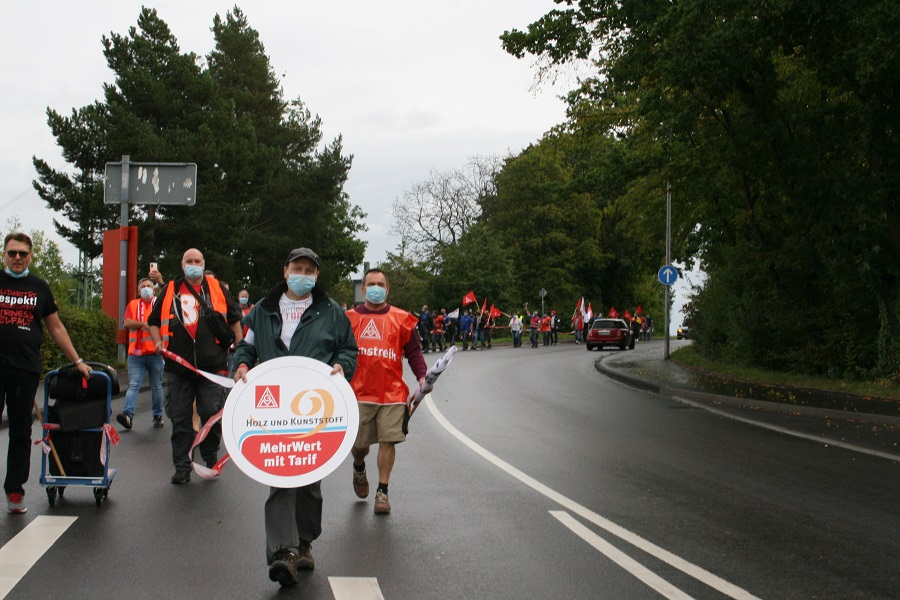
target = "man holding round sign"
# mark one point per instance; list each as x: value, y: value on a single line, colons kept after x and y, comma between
x: 299, y: 425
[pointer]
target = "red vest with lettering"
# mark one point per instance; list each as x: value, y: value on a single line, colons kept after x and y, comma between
x: 379, y: 365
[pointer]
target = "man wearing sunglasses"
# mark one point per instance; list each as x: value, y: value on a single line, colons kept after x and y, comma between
x: 25, y: 300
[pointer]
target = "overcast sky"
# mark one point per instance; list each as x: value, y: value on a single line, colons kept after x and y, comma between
x: 411, y: 85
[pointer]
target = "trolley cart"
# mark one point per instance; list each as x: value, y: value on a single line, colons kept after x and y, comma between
x: 76, y: 429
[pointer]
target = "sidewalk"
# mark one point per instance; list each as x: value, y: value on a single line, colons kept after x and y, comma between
x: 872, y: 426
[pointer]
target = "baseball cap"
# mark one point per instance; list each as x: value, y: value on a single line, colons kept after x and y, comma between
x: 302, y: 253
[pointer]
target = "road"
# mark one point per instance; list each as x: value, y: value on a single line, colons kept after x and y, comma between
x: 526, y: 475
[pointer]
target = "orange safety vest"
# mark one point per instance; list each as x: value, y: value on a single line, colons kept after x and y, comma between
x: 145, y: 345
x: 216, y: 296
x: 378, y: 378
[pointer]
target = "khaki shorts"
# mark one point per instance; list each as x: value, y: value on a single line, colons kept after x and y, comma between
x: 380, y: 423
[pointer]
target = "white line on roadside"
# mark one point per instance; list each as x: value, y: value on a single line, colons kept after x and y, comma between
x: 19, y: 554
x: 641, y: 572
x: 786, y: 431
x: 698, y: 573
x: 355, y: 588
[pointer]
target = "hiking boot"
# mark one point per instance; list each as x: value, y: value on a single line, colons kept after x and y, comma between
x: 382, y: 506
x: 14, y: 504
x: 284, y: 568
x: 158, y: 422
x: 360, y: 483
x: 180, y: 477
x: 124, y: 419
x: 305, y: 562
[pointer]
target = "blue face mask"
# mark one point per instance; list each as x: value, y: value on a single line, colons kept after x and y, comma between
x: 243, y: 300
x: 301, y: 284
x: 146, y: 293
x: 376, y: 294
x: 193, y: 272
x: 17, y: 275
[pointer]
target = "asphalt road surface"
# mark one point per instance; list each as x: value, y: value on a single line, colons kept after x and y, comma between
x: 527, y: 474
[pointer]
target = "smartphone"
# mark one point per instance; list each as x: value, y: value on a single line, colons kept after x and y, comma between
x: 153, y: 267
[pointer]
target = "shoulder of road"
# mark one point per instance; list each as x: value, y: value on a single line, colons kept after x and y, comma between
x: 871, y: 425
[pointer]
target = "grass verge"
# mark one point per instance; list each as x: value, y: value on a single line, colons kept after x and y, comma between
x: 689, y: 357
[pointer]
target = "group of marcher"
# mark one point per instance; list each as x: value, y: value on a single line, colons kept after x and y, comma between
x: 195, y: 317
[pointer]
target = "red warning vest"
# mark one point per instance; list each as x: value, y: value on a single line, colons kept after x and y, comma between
x: 379, y: 365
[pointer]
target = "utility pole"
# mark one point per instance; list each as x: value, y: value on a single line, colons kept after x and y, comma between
x: 668, y: 257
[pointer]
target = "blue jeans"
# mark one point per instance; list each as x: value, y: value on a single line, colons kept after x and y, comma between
x: 151, y: 364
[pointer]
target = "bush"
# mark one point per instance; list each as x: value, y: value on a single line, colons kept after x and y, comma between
x: 92, y: 332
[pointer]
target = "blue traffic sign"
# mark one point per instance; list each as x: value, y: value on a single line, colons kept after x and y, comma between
x: 667, y: 275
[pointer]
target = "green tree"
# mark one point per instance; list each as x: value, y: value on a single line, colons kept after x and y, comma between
x: 782, y: 153
x: 265, y: 182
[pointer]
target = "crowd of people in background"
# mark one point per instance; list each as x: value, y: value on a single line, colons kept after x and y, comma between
x: 437, y: 330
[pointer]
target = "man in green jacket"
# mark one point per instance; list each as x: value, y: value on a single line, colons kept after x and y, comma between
x: 296, y: 318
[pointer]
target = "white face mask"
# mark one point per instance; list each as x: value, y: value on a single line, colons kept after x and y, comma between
x: 146, y: 293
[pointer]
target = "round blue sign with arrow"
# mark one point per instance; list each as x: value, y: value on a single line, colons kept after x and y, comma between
x: 667, y: 275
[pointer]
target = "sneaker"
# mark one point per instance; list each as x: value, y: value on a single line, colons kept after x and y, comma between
x: 360, y: 483
x: 382, y: 506
x: 284, y: 568
x: 158, y: 422
x: 181, y: 477
x: 14, y: 504
x: 124, y: 419
x: 305, y: 562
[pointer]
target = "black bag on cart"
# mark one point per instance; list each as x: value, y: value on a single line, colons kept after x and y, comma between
x: 79, y: 405
x: 79, y: 453
x: 68, y: 384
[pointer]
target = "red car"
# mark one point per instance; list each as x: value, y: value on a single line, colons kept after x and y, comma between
x: 610, y: 332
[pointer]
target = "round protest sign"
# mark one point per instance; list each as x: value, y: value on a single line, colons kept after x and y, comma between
x: 292, y: 423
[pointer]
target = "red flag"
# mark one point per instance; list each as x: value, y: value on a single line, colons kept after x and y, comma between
x: 590, y: 312
x: 627, y: 315
x: 579, y: 303
x: 469, y: 299
x: 612, y: 313
x: 638, y: 310
x: 483, y: 306
x: 495, y: 312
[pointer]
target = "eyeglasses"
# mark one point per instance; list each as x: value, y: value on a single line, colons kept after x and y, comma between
x: 17, y: 253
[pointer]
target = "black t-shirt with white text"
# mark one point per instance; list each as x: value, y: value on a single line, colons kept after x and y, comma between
x: 24, y: 302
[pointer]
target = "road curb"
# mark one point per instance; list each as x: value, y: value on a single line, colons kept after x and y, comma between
x: 706, y: 397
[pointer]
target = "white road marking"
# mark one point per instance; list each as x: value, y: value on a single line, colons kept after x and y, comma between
x: 641, y: 572
x: 355, y: 588
x: 23, y: 551
x: 698, y: 573
x: 785, y: 430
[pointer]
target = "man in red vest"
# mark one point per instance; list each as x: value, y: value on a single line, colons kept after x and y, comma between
x: 384, y: 334
x: 142, y: 357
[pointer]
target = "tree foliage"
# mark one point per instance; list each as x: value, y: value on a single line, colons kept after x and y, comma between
x: 266, y: 180
x: 777, y: 123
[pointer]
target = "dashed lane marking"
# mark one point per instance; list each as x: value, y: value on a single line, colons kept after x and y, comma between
x: 698, y: 573
x: 355, y: 588
x: 648, y: 577
x: 21, y: 553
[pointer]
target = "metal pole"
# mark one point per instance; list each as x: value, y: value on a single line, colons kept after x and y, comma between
x: 668, y: 257
x: 123, y: 251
